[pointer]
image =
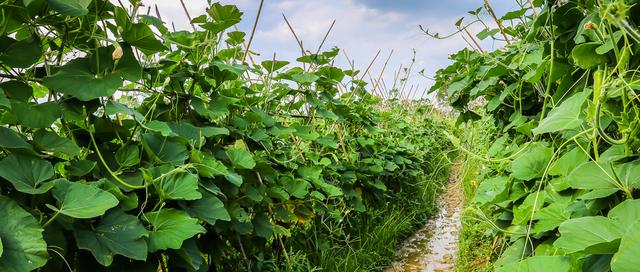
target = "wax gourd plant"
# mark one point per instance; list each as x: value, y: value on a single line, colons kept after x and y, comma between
x: 563, y: 172
x: 128, y: 146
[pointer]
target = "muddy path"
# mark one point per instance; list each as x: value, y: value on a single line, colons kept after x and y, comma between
x: 434, y: 246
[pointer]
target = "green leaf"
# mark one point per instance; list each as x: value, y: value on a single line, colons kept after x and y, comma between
x: 169, y: 228
x: 522, y: 213
x: 551, y: 217
x: 4, y: 101
x: 27, y: 174
x: 21, y: 54
x: 81, y: 167
x: 178, y: 185
x: 117, y: 233
x: 50, y: 141
x: 272, y: 66
x: 296, y: 187
x: 36, y: 115
x: 209, y: 208
x: 567, y: 162
x: 114, y: 107
x: 224, y: 16
x: 159, y: 127
x: 532, y: 163
x: 626, y: 214
x: 9, y: 138
x: 234, y: 178
x: 17, y: 91
x: 76, y: 79
x: 165, y: 150
x: 492, y: 190
x: 82, y: 200
x: 141, y: 36
x: 585, y: 56
x: 626, y: 259
x: 565, y: 116
x: 539, y: 264
x: 207, y: 165
x: 592, y: 175
x: 241, y: 158
x: 262, y: 226
x: 23, y: 246
x: 591, y: 234
x: 304, y: 78
x: 70, y: 7
x: 128, y: 155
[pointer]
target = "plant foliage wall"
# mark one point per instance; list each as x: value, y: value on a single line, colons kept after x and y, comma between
x: 563, y: 170
x: 125, y: 145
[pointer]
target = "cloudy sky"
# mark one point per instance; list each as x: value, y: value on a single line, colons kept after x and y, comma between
x: 362, y: 28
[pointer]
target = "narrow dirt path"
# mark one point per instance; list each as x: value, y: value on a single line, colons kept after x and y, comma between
x: 433, y: 248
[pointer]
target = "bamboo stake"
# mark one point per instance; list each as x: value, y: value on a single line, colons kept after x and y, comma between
x: 500, y: 26
x: 253, y: 30
x: 474, y: 41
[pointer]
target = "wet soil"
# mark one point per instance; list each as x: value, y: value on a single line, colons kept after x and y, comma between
x: 433, y: 248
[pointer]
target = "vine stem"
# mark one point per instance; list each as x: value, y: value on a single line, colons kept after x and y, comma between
x: 50, y: 219
x: 104, y: 163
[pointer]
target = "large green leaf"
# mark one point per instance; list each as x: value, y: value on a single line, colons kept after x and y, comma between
x: 207, y: 165
x: 492, y: 190
x: 117, y: 233
x: 70, y: 7
x: 598, y: 176
x: 11, y: 139
x: 23, y: 246
x: 79, y: 200
x: 532, y: 163
x: 241, y: 159
x: 50, y: 141
x: 591, y: 234
x: 209, y: 208
x: 296, y: 187
x: 626, y: 214
x: 178, y: 185
x: 627, y: 257
x: 21, y: 54
x: 551, y: 217
x: 128, y: 155
x: 27, y: 174
x: 169, y: 228
x: 76, y: 79
x: 165, y: 150
x: 565, y: 116
x: 585, y: 55
x: 36, y: 115
x: 567, y: 162
x: 141, y: 36
x: 539, y: 264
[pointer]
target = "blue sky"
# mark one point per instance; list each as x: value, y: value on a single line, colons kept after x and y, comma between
x: 362, y: 28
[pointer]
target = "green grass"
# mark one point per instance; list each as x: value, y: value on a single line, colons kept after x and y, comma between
x: 475, y: 249
x: 378, y: 234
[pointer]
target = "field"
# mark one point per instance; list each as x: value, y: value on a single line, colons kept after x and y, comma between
x: 126, y: 145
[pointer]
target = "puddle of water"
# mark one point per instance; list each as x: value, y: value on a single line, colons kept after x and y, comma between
x: 433, y: 248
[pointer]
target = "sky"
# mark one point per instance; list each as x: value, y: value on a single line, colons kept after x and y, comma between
x: 362, y: 28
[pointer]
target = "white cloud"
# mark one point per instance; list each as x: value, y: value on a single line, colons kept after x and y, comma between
x: 359, y: 30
